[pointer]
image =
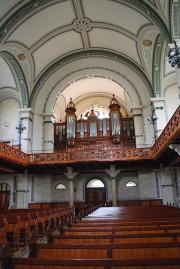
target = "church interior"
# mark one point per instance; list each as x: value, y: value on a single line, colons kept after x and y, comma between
x: 89, y: 133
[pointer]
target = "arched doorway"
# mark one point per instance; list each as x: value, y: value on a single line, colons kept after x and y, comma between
x: 4, y: 196
x: 95, y: 193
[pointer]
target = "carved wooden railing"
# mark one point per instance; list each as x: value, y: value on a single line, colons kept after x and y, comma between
x: 111, y: 153
x: 169, y: 134
x: 10, y: 154
x: 117, y: 154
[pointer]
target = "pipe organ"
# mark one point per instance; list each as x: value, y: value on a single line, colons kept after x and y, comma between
x: 81, y: 133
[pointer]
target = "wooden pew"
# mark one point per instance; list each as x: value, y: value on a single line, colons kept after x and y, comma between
x: 129, y: 240
x: 154, y: 263
x: 124, y: 225
x: 112, y: 230
x: 11, y: 229
x: 112, y: 238
x: 111, y: 251
x: 5, y: 249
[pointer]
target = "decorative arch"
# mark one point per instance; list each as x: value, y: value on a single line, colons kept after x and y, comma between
x: 18, y: 76
x: 51, y: 86
x: 157, y: 66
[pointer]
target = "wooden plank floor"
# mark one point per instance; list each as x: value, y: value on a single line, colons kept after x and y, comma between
x: 133, y: 213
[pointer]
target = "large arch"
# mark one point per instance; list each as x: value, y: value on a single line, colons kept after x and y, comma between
x: 136, y: 84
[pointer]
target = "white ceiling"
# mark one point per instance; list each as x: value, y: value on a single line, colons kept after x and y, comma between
x: 83, y: 49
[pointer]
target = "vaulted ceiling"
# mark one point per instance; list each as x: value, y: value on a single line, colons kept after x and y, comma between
x: 52, y: 50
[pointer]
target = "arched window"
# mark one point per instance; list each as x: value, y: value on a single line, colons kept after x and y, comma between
x: 95, y: 183
x: 131, y: 184
x: 4, y: 187
x: 60, y: 186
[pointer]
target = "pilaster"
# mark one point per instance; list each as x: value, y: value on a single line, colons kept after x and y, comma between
x: 138, y: 126
x: 22, y: 190
x: 167, y: 185
x: 48, y: 134
x: 26, y: 120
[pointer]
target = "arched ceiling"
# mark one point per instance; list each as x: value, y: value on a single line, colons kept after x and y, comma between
x: 82, y: 49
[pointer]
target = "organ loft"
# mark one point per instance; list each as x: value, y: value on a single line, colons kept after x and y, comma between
x: 91, y: 130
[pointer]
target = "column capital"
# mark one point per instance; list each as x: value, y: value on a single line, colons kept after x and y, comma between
x: 47, y: 118
x: 158, y: 102
x: 137, y: 111
x: 112, y: 172
x: 70, y: 175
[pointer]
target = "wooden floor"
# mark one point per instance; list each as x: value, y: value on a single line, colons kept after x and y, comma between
x: 133, y: 213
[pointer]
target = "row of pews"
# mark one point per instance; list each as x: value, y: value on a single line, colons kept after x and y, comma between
x: 112, y: 238
x: 20, y: 228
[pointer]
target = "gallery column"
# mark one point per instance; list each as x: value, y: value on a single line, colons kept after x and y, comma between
x: 112, y: 172
x: 70, y: 175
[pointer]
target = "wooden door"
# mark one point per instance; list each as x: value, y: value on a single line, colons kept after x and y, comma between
x: 95, y: 197
x: 4, y: 196
x: 4, y: 199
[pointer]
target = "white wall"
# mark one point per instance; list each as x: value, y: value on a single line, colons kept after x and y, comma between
x: 42, y: 188
x: 147, y: 184
x: 124, y: 192
x: 172, y: 100
x: 9, y: 111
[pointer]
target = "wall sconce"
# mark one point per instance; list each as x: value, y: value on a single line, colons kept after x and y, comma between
x: 20, y: 128
x: 174, y: 55
x: 153, y: 119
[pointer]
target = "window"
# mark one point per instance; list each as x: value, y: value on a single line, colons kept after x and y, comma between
x: 95, y: 183
x: 131, y: 184
x: 60, y: 186
x: 4, y: 187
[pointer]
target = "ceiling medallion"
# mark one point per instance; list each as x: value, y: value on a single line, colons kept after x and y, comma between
x: 21, y: 56
x: 147, y: 42
x: 82, y: 25
x: 6, y: 123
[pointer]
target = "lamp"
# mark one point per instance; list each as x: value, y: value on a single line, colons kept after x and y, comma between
x: 20, y: 128
x: 174, y: 55
x: 153, y: 119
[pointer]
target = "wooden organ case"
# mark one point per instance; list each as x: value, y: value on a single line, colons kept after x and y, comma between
x: 93, y: 131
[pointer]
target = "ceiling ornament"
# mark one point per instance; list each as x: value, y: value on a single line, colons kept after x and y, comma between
x: 21, y: 56
x: 82, y: 25
x: 147, y: 42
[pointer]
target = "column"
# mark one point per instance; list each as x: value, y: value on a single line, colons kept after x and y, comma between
x: 70, y: 175
x: 26, y: 120
x: 112, y: 172
x: 158, y: 105
x: 48, y: 134
x: 138, y: 126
